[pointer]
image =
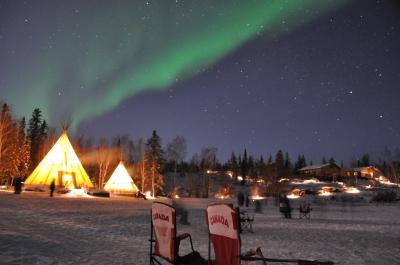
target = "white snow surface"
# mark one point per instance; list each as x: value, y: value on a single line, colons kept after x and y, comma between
x: 37, y: 229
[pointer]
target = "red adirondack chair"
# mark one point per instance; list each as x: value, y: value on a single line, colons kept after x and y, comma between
x: 164, y: 242
x: 223, y: 227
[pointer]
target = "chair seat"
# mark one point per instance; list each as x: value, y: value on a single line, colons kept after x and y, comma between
x: 193, y: 258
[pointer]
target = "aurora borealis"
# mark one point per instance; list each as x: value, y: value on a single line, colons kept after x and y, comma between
x: 264, y: 75
x: 81, y: 60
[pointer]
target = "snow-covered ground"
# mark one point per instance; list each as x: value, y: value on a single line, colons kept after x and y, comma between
x: 36, y: 229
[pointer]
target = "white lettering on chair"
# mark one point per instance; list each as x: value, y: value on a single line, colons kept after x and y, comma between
x: 164, y: 229
x: 220, y: 219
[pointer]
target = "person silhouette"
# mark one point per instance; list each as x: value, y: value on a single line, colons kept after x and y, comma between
x: 52, y: 187
x: 18, y: 185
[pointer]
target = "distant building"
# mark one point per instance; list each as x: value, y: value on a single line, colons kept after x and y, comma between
x: 365, y: 172
x: 323, y: 170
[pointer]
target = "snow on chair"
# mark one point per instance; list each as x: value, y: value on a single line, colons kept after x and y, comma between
x: 223, y: 228
x: 163, y: 237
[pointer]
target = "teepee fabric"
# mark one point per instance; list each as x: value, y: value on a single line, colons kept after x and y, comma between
x: 120, y: 181
x: 62, y: 165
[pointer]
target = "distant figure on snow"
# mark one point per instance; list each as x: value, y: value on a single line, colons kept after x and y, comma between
x: 240, y: 198
x: 18, y: 185
x: 52, y: 187
x: 247, y: 200
x: 284, y: 207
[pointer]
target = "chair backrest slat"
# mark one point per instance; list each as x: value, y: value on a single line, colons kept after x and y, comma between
x: 223, y: 228
x: 163, y: 220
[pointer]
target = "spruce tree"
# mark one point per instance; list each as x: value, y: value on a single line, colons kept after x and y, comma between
x: 365, y: 160
x: 288, y: 165
x: 300, y: 163
x: 35, y: 132
x: 244, y: 167
x: 233, y: 165
x: 261, y: 167
x: 279, y: 163
x: 251, y: 167
x: 155, y: 158
x: 270, y: 167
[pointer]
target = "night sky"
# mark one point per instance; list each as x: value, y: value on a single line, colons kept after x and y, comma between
x: 315, y: 77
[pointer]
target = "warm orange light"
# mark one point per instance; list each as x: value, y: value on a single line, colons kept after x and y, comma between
x: 257, y: 197
x: 148, y: 195
x: 311, y: 181
x: 325, y: 191
x: 352, y: 190
x: 292, y: 196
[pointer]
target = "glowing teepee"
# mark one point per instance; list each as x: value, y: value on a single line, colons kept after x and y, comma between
x: 120, y: 181
x: 62, y: 165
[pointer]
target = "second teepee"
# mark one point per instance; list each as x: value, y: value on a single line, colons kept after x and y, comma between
x: 120, y: 181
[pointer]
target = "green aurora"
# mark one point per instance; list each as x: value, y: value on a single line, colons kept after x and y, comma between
x: 78, y: 63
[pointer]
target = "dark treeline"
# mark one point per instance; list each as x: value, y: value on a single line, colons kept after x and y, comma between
x: 152, y: 164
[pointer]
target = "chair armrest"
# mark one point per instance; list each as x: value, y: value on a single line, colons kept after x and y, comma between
x: 183, y: 236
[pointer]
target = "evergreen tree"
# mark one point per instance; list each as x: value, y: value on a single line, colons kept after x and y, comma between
x: 36, y: 131
x: 324, y: 160
x: 332, y: 161
x: 300, y: 163
x: 288, y: 165
x: 261, y: 167
x: 43, y: 131
x: 270, y: 167
x: 365, y: 160
x: 251, y: 167
x: 244, y: 167
x: 155, y: 158
x: 279, y: 164
x: 44, y: 141
x: 233, y: 165
x: 22, y: 127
